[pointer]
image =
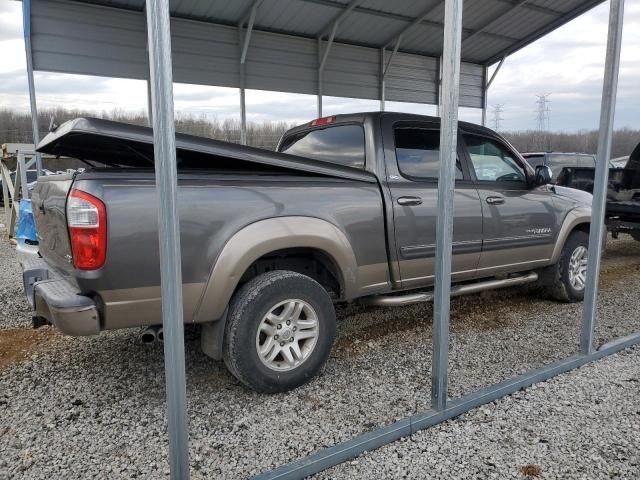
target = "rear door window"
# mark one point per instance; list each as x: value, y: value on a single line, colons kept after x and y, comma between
x: 418, y: 153
x: 342, y: 145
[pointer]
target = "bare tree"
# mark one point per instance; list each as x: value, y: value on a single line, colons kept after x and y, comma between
x: 16, y: 127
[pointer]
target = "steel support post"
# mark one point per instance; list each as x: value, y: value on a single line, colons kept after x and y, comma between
x: 439, y: 87
x: 319, y: 78
x: 24, y: 189
x: 243, y: 102
x: 149, y: 105
x: 243, y: 43
x: 148, y: 82
x: 243, y: 108
x: 5, y: 178
x: 26, y: 24
x: 382, y: 79
x: 486, y: 84
x: 485, y: 91
x: 446, y: 187
x: 164, y: 146
x: 597, y: 231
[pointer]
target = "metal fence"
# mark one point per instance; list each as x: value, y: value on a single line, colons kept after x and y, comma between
x: 14, y: 187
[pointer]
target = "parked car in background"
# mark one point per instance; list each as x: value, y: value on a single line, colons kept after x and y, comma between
x: 345, y: 210
x: 556, y: 161
x: 619, y: 162
x: 623, y: 193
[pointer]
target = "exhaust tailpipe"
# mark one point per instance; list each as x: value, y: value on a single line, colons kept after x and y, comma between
x: 160, y: 334
x: 150, y: 334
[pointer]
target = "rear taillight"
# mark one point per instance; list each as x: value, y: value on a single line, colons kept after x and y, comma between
x: 87, y: 222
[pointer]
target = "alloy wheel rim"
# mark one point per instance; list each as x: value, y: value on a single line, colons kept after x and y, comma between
x: 578, y: 268
x: 287, y: 335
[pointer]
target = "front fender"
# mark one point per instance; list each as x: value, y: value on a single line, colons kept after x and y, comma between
x: 266, y: 236
x: 578, y: 216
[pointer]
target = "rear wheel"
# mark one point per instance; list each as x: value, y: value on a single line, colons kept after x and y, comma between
x: 566, y: 280
x: 279, y: 331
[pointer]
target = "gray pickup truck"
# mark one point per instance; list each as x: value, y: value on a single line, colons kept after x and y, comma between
x: 344, y: 210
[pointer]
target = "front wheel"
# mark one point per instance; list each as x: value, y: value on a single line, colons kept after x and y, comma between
x: 279, y: 331
x: 566, y: 280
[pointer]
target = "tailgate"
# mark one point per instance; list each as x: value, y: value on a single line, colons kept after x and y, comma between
x: 49, y: 199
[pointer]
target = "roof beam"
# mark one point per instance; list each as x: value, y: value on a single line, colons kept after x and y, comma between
x: 327, y: 49
x: 332, y: 26
x: 247, y: 35
x: 495, y: 72
x: 536, y: 8
x: 249, y: 12
x: 397, y: 37
x: 401, y: 18
x: 393, y: 54
x: 493, y: 21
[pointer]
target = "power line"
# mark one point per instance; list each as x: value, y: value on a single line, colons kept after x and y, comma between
x: 497, y: 115
x: 542, y: 111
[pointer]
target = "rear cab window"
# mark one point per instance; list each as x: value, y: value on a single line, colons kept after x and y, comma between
x: 418, y: 153
x: 340, y: 144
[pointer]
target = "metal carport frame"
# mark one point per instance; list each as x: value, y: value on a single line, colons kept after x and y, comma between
x: 160, y: 68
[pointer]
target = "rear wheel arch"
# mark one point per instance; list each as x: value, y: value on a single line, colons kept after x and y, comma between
x: 282, y: 236
x: 311, y: 262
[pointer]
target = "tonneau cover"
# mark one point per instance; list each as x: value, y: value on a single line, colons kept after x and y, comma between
x: 123, y: 145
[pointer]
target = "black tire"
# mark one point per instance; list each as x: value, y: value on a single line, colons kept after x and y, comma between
x: 249, y: 305
x: 555, y: 279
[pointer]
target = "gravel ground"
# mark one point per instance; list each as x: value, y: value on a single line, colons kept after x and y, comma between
x: 94, y: 406
x: 582, y: 425
x: 14, y: 309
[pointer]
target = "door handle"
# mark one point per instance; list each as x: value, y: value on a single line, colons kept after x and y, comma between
x: 495, y: 200
x: 408, y: 201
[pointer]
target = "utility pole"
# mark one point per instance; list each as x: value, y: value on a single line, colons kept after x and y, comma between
x: 497, y: 116
x: 542, y: 119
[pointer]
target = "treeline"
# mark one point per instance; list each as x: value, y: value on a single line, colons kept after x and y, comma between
x: 584, y: 141
x: 16, y: 127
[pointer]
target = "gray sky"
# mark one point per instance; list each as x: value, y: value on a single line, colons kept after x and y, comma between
x: 568, y: 63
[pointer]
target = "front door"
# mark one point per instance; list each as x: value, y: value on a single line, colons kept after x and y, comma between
x: 519, y: 221
x: 413, y: 182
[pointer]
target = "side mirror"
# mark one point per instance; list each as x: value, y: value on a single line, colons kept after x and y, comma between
x: 544, y: 175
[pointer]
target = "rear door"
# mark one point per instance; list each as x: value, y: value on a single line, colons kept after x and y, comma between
x: 519, y: 222
x: 412, y: 163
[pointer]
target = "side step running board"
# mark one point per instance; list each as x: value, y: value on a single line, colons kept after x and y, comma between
x: 456, y: 290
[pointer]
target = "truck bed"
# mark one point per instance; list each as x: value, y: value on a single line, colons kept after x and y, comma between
x: 222, y: 189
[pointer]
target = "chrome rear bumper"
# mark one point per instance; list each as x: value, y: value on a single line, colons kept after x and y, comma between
x: 57, y: 299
